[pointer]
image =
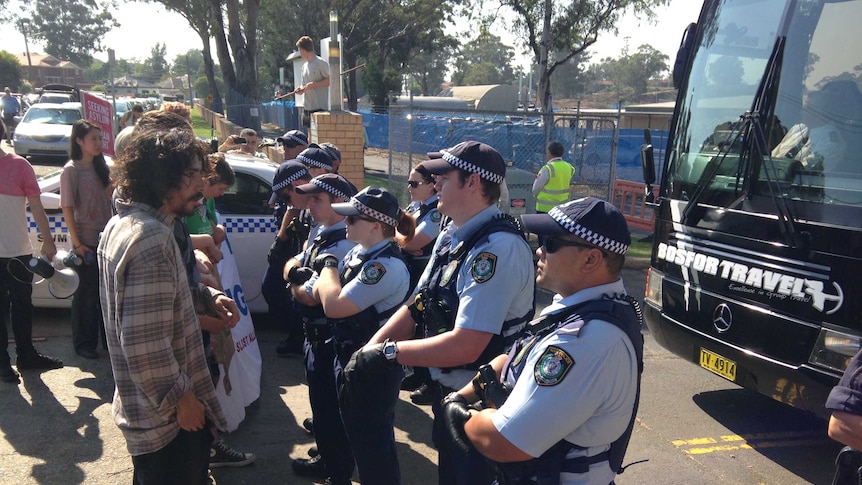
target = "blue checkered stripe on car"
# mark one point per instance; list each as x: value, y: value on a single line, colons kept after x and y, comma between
x: 55, y: 224
x: 249, y: 224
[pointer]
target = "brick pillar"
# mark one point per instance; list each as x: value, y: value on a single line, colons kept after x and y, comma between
x: 344, y: 130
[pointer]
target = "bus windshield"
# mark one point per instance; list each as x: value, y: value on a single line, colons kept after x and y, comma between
x: 799, y: 138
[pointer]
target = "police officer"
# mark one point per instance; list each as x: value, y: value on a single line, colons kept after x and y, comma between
x: 315, y: 160
x: 469, y: 307
x: 574, y: 378
x: 417, y: 253
x: 289, y: 241
x: 334, y: 459
x: 358, y: 295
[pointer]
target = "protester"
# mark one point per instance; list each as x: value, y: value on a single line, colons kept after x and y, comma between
x: 131, y: 117
x: 85, y: 197
x: 314, y: 80
x: 248, y: 147
x: 164, y: 401
x: 18, y: 187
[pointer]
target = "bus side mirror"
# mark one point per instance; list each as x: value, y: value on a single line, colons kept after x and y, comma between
x: 648, y: 165
x: 686, y: 45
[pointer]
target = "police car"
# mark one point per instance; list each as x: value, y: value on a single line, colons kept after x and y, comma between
x: 243, y: 211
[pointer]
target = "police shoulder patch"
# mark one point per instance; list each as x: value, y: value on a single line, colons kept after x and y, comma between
x: 483, y: 267
x: 435, y: 216
x: 552, y: 366
x: 372, y: 273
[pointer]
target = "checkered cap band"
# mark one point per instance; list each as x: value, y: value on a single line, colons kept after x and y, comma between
x: 368, y: 211
x: 329, y: 188
x: 331, y: 150
x: 299, y: 140
x: 289, y: 180
x: 465, y: 165
x: 311, y: 162
x: 582, y: 232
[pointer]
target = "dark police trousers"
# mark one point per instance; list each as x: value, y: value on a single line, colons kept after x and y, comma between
x: 369, y: 419
x: 332, y: 442
x: 454, y: 467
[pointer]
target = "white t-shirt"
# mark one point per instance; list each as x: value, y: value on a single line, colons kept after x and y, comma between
x: 17, y: 183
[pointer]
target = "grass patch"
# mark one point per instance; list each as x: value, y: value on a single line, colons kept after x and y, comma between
x: 639, y: 249
x: 201, y: 126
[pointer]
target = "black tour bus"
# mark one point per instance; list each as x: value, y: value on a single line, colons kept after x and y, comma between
x: 756, y: 269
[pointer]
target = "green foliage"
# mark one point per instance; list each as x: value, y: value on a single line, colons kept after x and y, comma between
x: 26, y: 87
x: 11, y: 73
x: 484, y: 60
x: 157, y: 65
x: 202, y: 89
x: 99, y: 88
x: 192, y: 62
x: 380, y: 83
x: 71, y: 29
x: 630, y: 72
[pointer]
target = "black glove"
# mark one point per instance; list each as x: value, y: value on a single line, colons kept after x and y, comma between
x: 456, y: 413
x: 324, y: 260
x: 298, y: 275
x: 364, y: 365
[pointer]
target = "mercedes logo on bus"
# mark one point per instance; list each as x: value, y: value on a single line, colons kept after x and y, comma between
x: 722, y: 318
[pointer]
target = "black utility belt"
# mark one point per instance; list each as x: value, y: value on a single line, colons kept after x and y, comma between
x: 346, y: 331
x: 317, y: 331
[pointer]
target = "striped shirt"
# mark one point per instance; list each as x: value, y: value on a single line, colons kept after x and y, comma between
x: 154, y: 337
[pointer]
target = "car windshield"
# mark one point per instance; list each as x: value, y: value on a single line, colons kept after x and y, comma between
x: 52, y: 116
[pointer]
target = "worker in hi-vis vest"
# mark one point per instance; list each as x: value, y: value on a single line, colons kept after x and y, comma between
x: 551, y: 187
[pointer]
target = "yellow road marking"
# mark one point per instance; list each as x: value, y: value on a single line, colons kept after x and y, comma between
x: 733, y: 442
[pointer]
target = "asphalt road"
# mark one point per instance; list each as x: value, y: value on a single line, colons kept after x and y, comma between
x: 693, y: 427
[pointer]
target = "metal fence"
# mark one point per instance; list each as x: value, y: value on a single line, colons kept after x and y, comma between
x: 242, y: 110
x: 590, y: 141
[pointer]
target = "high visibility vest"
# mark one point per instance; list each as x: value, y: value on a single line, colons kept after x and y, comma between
x: 556, y: 191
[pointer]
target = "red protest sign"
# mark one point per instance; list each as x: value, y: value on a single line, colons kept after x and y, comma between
x: 99, y: 111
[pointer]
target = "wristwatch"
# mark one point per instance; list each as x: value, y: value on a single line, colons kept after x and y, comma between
x: 390, y: 350
x: 330, y: 262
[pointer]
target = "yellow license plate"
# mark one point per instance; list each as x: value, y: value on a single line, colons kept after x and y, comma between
x: 718, y: 364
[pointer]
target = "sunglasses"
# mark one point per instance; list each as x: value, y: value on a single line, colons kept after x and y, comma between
x: 353, y: 219
x: 553, y: 244
x: 414, y: 183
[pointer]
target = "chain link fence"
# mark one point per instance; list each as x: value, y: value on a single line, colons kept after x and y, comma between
x: 590, y: 142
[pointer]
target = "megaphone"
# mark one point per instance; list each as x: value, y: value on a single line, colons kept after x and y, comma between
x: 62, y: 283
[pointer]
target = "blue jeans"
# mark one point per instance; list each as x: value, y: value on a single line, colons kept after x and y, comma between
x: 184, y: 461
x: 369, y: 419
x: 454, y: 467
x: 332, y: 441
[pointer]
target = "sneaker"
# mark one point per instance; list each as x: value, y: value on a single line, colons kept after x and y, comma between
x: 223, y: 455
x: 36, y: 360
x: 7, y: 374
x: 308, y: 424
x: 311, y: 467
x: 422, y: 395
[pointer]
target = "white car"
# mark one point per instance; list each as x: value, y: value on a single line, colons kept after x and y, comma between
x: 243, y: 211
x: 46, y: 129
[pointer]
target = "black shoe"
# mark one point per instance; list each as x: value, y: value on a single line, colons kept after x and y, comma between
x: 411, y: 382
x: 87, y: 354
x: 422, y: 395
x: 289, y: 346
x: 311, y: 467
x: 36, y: 360
x: 308, y: 424
x: 7, y: 374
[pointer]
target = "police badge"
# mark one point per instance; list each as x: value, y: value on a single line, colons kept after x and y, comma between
x: 552, y: 366
x: 372, y: 273
x: 483, y: 267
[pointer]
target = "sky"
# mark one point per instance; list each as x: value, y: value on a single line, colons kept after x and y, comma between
x: 142, y: 25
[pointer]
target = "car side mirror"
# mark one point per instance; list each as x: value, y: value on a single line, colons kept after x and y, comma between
x: 50, y: 201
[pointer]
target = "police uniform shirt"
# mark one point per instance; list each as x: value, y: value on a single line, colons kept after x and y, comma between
x: 430, y: 222
x: 576, y: 385
x: 339, y: 250
x: 382, y: 281
x: 495, y: 284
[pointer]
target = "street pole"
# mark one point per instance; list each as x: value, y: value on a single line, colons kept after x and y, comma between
x: 24, y: 23
x: 336, y: 100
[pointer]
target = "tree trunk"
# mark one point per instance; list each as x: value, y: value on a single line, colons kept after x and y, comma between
x: 209, y: 69
x: 352, y: 84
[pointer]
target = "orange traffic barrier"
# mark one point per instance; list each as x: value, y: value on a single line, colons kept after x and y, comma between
x: 629, y: 199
